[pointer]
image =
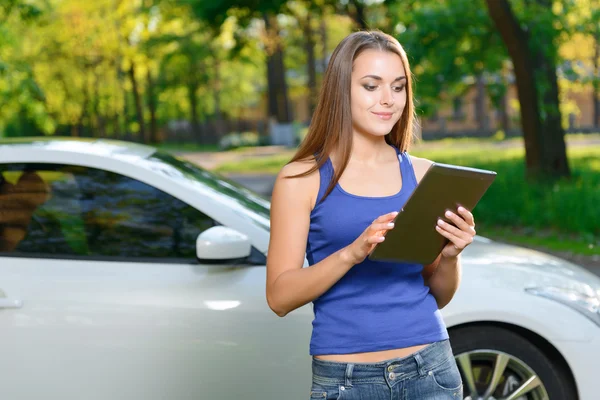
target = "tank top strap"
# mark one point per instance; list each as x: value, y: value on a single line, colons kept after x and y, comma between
x: 325, y: 176
x: 406, y: 167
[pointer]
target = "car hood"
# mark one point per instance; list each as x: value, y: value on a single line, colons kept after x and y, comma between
x: 521, y: 267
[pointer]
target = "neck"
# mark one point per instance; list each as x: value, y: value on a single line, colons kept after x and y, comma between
x: 369, y: 149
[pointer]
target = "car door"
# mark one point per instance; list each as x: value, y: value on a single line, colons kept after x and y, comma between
x: 101, y: 297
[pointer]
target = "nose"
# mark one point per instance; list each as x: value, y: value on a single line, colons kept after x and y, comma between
x: 387, y: 97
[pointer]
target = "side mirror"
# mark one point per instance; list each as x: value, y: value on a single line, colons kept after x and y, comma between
x: 220, y: 243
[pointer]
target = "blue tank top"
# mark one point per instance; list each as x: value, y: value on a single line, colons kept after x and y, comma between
x: 376, y: 305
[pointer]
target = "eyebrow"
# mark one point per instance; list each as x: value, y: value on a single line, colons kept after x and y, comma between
x: 380, y: 79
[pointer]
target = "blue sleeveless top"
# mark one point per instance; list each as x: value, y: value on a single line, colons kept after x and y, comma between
x: 376, y: 305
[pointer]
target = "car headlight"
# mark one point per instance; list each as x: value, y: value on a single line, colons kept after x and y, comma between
x: 579, y: 296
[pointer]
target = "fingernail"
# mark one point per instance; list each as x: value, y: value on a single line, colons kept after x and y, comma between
x: 448, y: 214
x: 461, y: 209
x: 390, y: 225
x: 440, y: 222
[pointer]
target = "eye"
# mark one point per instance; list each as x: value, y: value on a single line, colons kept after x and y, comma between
x: 370, y: 88
x: 398, y: 89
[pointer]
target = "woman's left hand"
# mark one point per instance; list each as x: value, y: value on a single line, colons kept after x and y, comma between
x: 461, y: 235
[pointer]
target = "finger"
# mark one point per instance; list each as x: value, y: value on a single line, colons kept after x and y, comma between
x: 467, y: 215
x: 375, y: 239
x: 464, y: 235
x: 382, y: 226
x: 386, y: 217
x: 458, y: 221
x: 457, y: 239
x: 458, y: 242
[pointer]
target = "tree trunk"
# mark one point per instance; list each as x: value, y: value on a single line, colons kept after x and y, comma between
x: 596, y: 82
x: 124, y: 120
x: 278, y: 104
x: 100, y: 130
x: 545, y: 150
x: 138, y: 103
x: 480, y: 108
x: 323, y: 28
x: 503, y: 104
x: 217, y: 88
x: 80, y: 121
x: 193, y: 99
x: 503, y: 113
x: 116, y: 126
x: 358, y: 14
x: 309, y: 47
x: 154, y: 139
x: 120, y: 115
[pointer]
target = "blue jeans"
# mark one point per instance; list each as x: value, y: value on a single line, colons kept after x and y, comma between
x: 428, y: 374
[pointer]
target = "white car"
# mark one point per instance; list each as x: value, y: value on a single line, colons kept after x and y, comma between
x: 126, y: 273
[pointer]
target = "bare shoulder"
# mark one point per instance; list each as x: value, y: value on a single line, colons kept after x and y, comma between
x: 420, y: 165
x: 297, y: 167
x: 301, y: 187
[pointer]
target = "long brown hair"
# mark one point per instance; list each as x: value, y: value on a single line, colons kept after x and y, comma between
x: 331, y: 125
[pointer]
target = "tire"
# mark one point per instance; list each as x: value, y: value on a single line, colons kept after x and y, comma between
x: 483, y: 345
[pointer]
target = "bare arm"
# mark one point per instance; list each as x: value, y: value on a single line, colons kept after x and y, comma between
x: 289, y: 286
x: 443, y: 275
x: 445, y: 279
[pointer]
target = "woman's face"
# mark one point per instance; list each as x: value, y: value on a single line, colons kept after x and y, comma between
x: 378, y: 92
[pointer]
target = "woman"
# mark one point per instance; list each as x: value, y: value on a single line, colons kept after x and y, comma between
x: 377, y: 331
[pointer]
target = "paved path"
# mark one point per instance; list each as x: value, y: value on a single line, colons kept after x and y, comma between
x: 211, y: 160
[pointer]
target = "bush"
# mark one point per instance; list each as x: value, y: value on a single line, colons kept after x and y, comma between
x: 240, y: 139
x: 568, y: 206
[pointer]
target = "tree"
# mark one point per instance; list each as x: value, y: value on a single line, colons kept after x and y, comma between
x: 531, y: 45
x: 215, y: 13
x: 21, y: 99
x: 585, y: 26
x: 448, y: 56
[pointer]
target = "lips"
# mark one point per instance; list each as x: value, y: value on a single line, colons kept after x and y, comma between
x: 384, y: 115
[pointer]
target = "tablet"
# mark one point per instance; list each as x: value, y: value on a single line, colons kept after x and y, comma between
x: 414, y: 238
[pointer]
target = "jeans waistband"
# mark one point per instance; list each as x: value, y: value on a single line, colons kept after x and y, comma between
x: 416, y: 364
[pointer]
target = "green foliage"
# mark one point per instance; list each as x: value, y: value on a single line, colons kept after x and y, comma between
x: 68, y: 71
x: 235, y: 140
x: 216, y: 12
x: 64, y: 65
x: 187, y: 147
x: 569, y: 206
x: 445, y: 51
x: 499, y: 136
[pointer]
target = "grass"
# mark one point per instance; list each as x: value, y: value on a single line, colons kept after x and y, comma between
x: 567, y: 206
x: 560, y: 216
x: 539, y: 239
x: 192, y: 147
x: 262, y: 165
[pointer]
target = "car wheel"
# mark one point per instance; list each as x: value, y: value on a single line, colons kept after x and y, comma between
x: 496, y: 363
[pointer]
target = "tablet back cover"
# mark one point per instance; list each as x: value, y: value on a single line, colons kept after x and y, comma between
x: 414, y: 238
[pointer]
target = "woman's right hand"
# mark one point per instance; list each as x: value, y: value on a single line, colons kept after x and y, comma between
x: 373, y: 235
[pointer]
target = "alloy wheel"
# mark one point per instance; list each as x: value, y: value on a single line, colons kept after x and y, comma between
x: 495, y: 375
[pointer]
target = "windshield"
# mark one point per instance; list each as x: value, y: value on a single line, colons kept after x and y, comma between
x: 240, y: 194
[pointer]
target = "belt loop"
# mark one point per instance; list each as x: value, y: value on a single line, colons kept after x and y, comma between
x: 349, y: 368
x: 420, y: 364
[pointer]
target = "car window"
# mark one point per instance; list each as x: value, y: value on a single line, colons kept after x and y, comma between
x: 257, y: 207
x: 71, y: 211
